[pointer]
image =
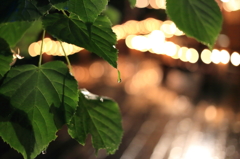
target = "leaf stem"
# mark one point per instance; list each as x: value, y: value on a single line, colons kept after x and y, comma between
x: 41, y: 49
x: 64, y: 12
x: 68, y: 61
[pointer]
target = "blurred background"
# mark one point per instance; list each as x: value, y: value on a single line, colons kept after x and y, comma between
x: 178, y: 99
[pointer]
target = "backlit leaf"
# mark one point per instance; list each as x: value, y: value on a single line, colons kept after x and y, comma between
x: 87, y: 10
x: 100, y: 117
x: 6, y: 57
x: 12, y: 32
x: 22, y: 10
x: 132, y: 3
x: 200, y: 19
x: 41, y: 100
x: 73, y: 30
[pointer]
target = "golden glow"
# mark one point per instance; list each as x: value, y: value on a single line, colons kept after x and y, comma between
x: 192, y: 55
x: 141, y: 3
x: 140, y: 43
x: 231, y: 5
x: 175, y: 56
x: 215, y: 56
x: 53, y: 49
x: 154, y: 4
x: 130, y: 27
x: 182, y: 54
x: 65, y: 47
x: 223, y: 40
x: 31, y: 50
x: 210, y: 113
x: 156, y: 40
x: 96, y: 70
x: 235, y: 58
x: 168, y: 28
x: 170, y: 48
x: 225, y: 57
x: 37, y: 48
x: 206, y: 56
x: 161, y: 4
x: 198, y: 152
x: 128, y: 41
x: 48, y: 44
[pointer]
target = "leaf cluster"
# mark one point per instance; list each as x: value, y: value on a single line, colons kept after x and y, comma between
x: 36, y: 101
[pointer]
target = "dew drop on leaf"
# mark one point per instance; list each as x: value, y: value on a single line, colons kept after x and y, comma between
x: 101, y: 99
x: 44, y: 152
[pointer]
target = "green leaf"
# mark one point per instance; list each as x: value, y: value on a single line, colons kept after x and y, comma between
x: 132, y: 3
x: 38, y: 101
x: 6, y: 57
x: 74, y: 31
x: 87, y: 10
x: 30, y: 36
x: 12, y: 32
x: 100, y: 117
x: 23, y: 10
x: 200, y: 19
x: 113, y: 14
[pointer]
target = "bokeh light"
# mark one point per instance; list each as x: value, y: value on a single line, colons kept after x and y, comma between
x: 206, y: 56
x: 235, y: 58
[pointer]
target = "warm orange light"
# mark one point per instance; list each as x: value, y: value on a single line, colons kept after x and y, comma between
x: 96, y: 70
x: 161, y: 4
x: 210, y: 113
x: 53, y: 49
x: 154, y: 4
x: 37, y: 48
x: 141, y: 3
x: 31, y: 50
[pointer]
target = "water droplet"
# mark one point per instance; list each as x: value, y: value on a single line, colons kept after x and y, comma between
x: 44, y: 152
x: 119, y: 80
x: 89, y: 95
x: 119, y: 77
x: 101, y: 99
x: 114, y: 46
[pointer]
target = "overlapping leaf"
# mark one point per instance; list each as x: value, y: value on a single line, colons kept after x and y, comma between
x: 74, y: 31
x: 87, y: 10
x: 100, y: 117
x: 37, y: 101
x: 6, y: 57
x: 22, y: 10
x: 132, y: 3
x: 12, y: 32
x: 200, y: 19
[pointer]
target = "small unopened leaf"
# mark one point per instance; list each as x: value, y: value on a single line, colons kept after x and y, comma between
x: 100, y: 117
x: 200, y: 19
x: 23, y: 10
x: 73, y: 30
x: 38, y: 102
x: 87, y: 10
x: 12, y: 32
x: 6, y: 57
